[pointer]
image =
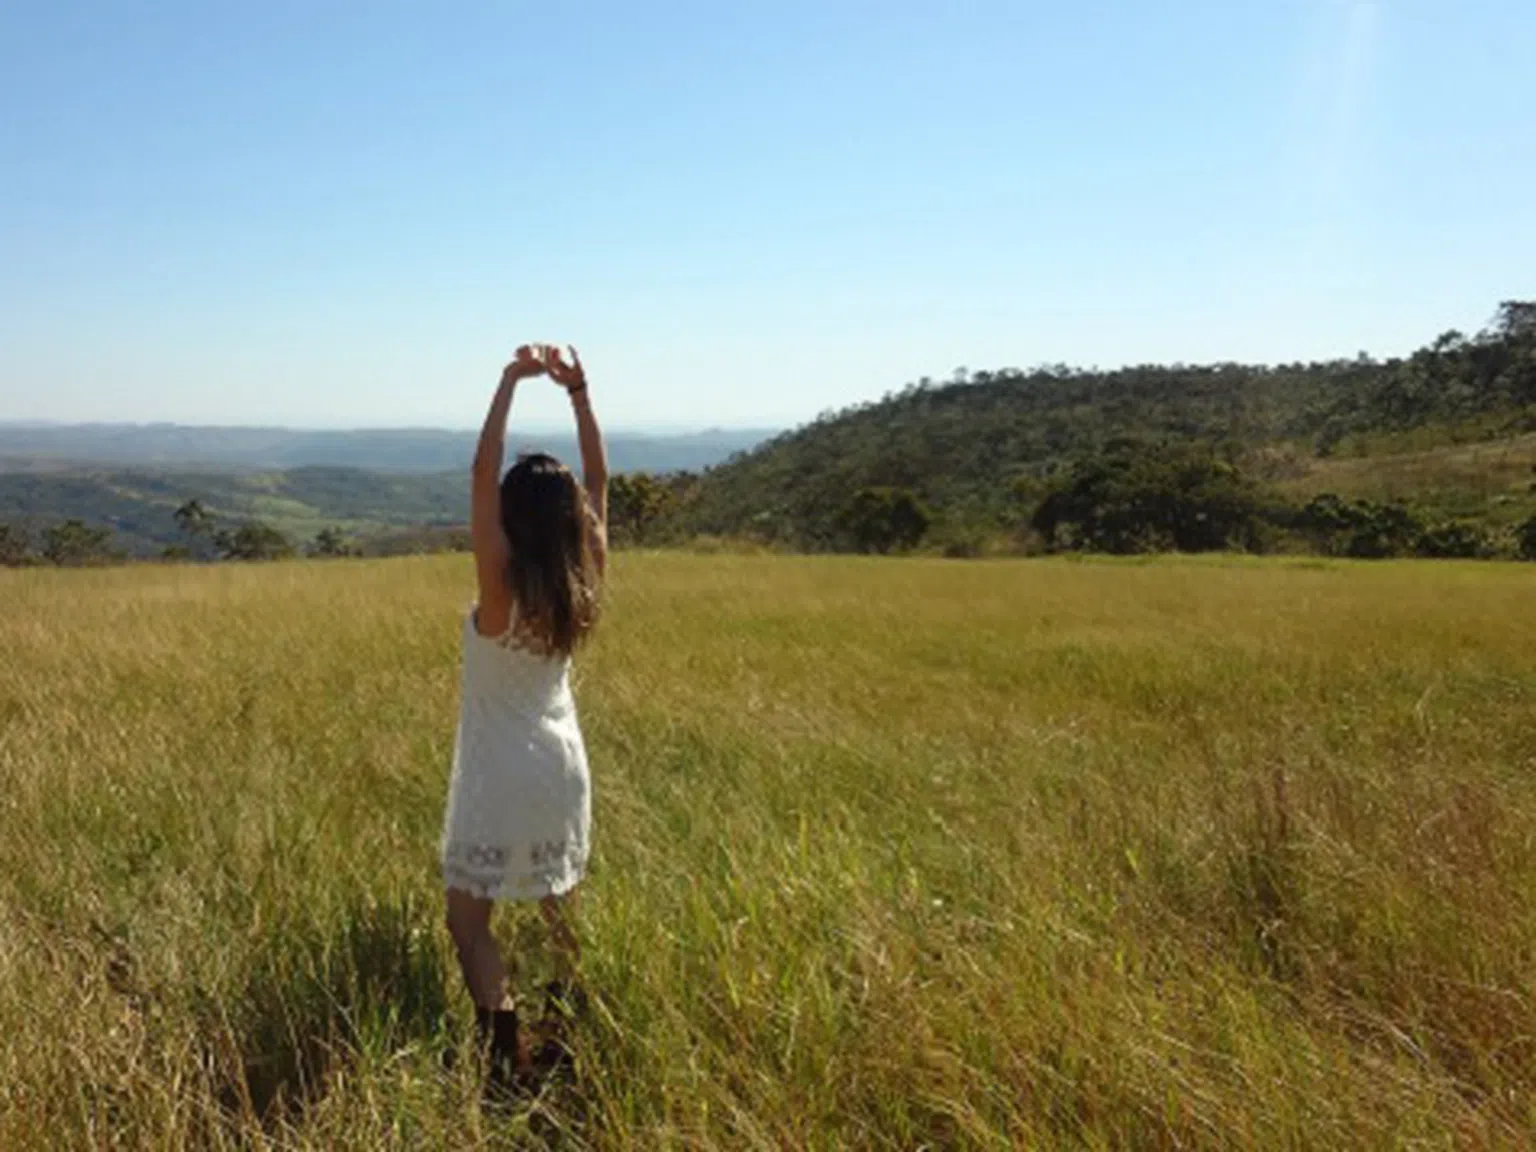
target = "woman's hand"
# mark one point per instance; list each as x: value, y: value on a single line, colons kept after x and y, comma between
x: 572, y: 377
x: 526, y: 363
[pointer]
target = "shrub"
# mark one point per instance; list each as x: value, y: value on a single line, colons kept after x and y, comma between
x: 1525, y: 539
x: 1137, y: 497
x: 73, y: 543
x: 330, y: 543
x: 255, y: 540
x: 15, y: 546
x: 1360, y: 528
x: 884, y: 520
x: 1455, y: 539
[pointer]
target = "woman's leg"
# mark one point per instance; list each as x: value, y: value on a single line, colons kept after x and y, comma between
x: 557, y: 911
x: 469, y: 923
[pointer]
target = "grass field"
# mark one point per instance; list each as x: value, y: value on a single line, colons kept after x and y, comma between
x: 890, y: 854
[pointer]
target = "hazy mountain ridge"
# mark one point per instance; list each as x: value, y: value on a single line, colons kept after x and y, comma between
x: 132, y: 478
x: 42, y: 447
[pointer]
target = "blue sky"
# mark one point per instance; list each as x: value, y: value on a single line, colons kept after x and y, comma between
x: 329, y: 214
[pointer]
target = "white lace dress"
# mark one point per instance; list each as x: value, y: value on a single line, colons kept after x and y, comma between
x: 519, y: 811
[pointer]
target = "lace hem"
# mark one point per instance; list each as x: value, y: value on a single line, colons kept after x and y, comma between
x: 488, y: 872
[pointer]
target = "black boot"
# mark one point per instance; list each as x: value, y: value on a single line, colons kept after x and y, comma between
x: 500, y: 1042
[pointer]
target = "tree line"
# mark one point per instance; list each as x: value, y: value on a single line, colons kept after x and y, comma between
x: 1131, y: 497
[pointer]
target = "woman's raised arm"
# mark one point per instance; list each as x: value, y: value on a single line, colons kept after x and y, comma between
x: 493, y: 611
x: 594, y: 456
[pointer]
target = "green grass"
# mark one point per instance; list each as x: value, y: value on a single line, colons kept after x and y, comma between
x: 890, y: 854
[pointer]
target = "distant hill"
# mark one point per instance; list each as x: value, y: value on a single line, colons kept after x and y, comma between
x: 47, y: 447
x: 132, y: 478
x: 979, y: 451
x: 139, y: 504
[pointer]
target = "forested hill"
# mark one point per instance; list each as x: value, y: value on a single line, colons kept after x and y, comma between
x: 976, y: 451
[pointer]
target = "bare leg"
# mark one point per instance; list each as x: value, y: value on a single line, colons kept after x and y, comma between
x: 562, y: 936
x: 469, y: 923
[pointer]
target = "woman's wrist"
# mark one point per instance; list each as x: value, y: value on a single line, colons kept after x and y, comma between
x: 577, y: 392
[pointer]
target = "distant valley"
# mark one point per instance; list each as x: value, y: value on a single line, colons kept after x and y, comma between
x: 49, y: 447
x: 132, y: 478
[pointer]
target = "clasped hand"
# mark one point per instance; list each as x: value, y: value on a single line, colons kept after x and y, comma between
x: 546, y: 359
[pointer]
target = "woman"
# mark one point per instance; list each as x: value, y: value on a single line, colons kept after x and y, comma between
x: 519, y: 807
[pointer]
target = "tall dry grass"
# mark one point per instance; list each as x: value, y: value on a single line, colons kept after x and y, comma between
x: 890, y: 854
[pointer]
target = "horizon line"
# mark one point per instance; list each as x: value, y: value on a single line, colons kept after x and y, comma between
x: 367, y: 429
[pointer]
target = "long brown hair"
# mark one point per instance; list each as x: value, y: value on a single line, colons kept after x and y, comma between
x: 552, y: 573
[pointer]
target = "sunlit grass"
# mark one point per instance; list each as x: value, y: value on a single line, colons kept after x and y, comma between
x: 1491, y: 480
x: 889, y: 854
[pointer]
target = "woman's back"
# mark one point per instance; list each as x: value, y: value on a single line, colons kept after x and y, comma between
x: 505, y: 673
